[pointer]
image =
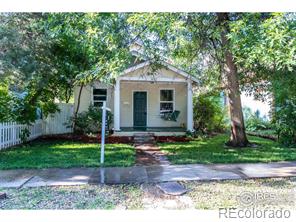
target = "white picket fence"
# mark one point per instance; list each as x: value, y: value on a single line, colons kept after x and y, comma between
x: 10, y: 132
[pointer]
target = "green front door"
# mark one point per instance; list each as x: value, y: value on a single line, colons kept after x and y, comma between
x: 140, y: 109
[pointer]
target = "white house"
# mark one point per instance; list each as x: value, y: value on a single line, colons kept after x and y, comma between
x: 142, y: 100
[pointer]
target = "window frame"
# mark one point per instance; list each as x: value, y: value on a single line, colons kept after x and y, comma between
x: 92, y: 95
x: 163, y: 101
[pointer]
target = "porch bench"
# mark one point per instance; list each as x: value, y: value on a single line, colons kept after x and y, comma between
x: 170, y: 116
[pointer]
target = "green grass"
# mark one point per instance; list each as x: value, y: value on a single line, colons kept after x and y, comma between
x: 227, y: 194
x: 212, y: 150
x: 44, y: 154
x: 201, y: 195
x: 73, y: 197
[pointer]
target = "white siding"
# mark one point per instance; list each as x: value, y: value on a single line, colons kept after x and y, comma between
x: 153, y: 103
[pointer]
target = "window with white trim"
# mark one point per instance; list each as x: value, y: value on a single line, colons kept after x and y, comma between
x: 166, y: 100
x: 99, y: 96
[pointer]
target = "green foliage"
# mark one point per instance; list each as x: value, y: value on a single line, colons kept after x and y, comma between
x: 24, y: 135
x: 254, y: 122
x: 286, y: 123
x: 90, y: 121
x: 13, y: 108
x: 263, y: 44
x: 89, y: 46
x: 45, y: 54
x: 284, y: 91
x: 6, y: 104
x: 269, y: 51
x: 209, y: 114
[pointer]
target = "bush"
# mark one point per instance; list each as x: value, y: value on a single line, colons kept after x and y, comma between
x: 286, y: 122
x: 284, y: 92
x: 19, y: 107
x: 209, y: 113
x: 24, y: 135
x: 6, y: 104
x: 253, y: 121
x: 90, y: 121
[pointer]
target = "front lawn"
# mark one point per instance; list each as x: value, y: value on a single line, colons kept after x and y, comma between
x: 212, y: 150
x: 63, y: 154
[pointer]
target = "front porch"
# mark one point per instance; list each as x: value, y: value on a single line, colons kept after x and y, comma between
x: 156, y: 131
x: 160, y: 104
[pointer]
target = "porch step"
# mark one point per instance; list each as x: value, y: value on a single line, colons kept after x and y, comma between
x: 143, y: 134
x: 144, y: 138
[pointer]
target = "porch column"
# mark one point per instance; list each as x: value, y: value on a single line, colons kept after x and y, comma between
x: 117, y: 106
x: 189, y: 106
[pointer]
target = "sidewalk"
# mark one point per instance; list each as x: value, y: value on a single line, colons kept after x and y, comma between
x: 144, y: 174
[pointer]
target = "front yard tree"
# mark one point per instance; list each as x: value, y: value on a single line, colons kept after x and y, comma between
x: 238, y: 135
x: 45, y: 54
x: 225, y: 51
x: 266, y: 56
x: 198, y: 42
x: 91, y: 46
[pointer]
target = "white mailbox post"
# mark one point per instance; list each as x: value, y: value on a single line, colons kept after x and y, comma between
x: 104, y: 109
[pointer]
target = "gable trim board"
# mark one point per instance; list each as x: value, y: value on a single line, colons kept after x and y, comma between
x: 145, y: 64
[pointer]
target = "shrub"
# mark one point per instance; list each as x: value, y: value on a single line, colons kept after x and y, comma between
x: 253, y: 121
x: 209, y: 113
x: 6, y: 104
x: 284, y: 92
x: 90, y: 121
x: 286, y: 122
x: 24, y: 135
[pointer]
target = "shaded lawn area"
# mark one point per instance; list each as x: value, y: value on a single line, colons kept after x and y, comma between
x: 212, y: 150
x: 64, y: 154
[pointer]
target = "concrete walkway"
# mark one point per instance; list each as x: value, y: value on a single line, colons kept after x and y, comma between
x: 144, y: 174
x: 147, y: 151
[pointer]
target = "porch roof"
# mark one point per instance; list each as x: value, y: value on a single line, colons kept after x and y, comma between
x: 180, y: 72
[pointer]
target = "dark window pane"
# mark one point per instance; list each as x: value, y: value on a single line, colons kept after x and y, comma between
x: 166, y: 107
x: 101, y: 98
x: 98, y: 104
x: 100, y: 91
x: 166, y: 95
x: 99, y: 95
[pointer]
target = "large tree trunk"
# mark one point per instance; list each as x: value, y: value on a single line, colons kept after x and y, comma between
x: 238, y: 136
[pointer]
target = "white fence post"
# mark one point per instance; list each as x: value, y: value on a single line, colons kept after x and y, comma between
x: 103, y: 132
